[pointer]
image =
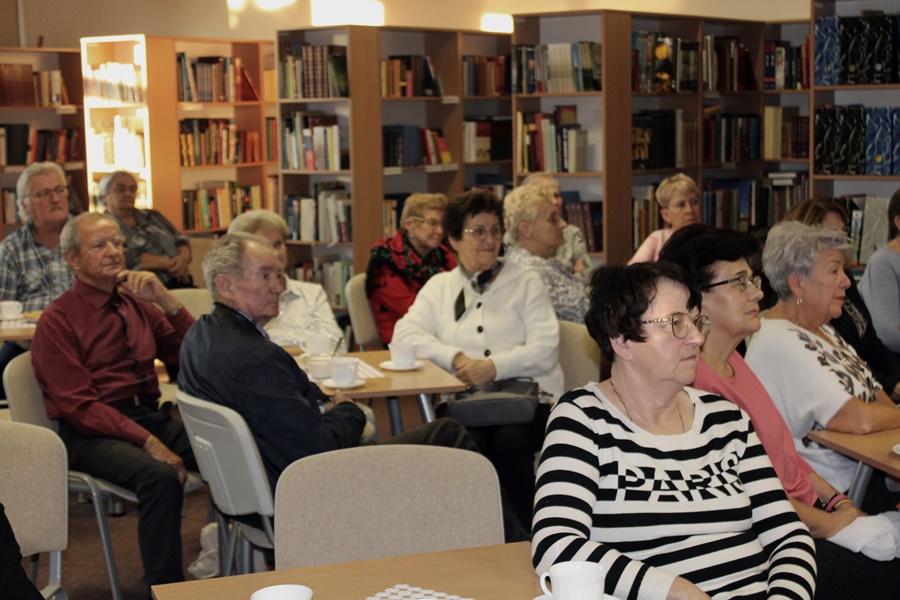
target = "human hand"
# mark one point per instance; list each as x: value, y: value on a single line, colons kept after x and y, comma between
x: 477, y: 372
x: 179, y: 266
x: 845, y: 514
x: 682, y: 589
x: 338, y: 397
x: 160, y: 452
x: 142, y: 284
x: 578, y: 267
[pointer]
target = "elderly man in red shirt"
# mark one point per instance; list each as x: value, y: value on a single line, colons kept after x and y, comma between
x: 93, y: 355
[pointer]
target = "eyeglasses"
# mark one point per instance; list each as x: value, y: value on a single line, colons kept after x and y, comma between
x: 59, y: 190
x: 480, y: 233
x: 433, y: 223
x: 743, y: 283
x: 121, y: 189
x: 682, y: 322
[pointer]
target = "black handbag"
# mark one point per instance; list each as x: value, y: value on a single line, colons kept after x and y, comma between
x: 505, y: 402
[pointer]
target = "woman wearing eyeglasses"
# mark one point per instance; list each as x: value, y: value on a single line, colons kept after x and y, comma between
x: 400, y: 265
x: 490, y: 320
x: 814, y: 377
x: 717, y: 262
x: 665, y: 486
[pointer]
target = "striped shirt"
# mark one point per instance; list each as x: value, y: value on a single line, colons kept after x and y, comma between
x: 31, y: 273
x: 705, y: 505
x: 91, y: 348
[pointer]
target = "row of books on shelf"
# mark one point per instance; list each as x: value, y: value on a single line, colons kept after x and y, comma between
x: 330, y: 271
x: 323, y: 217
x: 313, y: 71
x: 857, y: 50
x: 726, y: 65
x: 785, y: 133
x: 217, y: 142
x: 486, y: 75
x: 552, y: 142
x: 557, y: 68
x: 857, y: 140
x: 587, y: 216
x: 413, y: 146
x: 214, y: 204
x: 20, y: 86
x: 214, y: 79
x: 487, y: 139
x: 21, y: 144
x: 663, y: 139
x: 868, y: 225
x: 785, y: 66
x: 732, y: 138
x: 312, y: 141
x: 661, y: 63
x: 117, y: 148
x: 409, y: 76
x: 114, y: 82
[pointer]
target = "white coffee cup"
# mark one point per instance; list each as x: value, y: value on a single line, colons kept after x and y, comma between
x: 283, y: 592
x: 343, y: 370
x: 403, y: 354
x: 317, y: 343
x: 10, y: 310
x: 318, y: 366
x: 575, y: 580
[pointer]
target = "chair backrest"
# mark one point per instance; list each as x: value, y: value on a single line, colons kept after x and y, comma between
x: 227, y: 455
x: 197, y: 301
x: 34, y: 486
x: 379, y: 501
x: 365, y: 331
x: 579, y: 356
x: 199, y: 246
x: 24, y: 394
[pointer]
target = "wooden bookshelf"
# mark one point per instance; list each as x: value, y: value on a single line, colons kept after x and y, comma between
x: 135, y: 126
x: 25, y: 107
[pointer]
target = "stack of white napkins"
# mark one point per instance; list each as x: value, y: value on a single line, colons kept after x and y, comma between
x: 403, y: 591
x: 875, y: 536
x: 367, y: 371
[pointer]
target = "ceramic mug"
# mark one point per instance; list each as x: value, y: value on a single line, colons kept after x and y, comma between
x: 283, y: 592
x: 343, y: 370
x: 574, y: 580
x: 318, y: 366
x: 10, y: 310
x: 403, y: 354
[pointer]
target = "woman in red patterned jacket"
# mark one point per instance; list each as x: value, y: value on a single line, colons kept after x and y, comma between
x: 400, y: 265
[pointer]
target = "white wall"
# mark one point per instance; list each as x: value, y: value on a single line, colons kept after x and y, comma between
x: 63, y: 22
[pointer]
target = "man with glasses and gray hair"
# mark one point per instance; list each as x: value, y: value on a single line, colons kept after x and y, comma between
x: 34, y: 272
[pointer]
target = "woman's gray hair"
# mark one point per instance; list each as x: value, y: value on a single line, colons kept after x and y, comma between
x: 103, y: 186
x: 23, y: 185
x: 794, y: 248
x: 254, y: 221
x: 670, y: 186
x: 523, y: 205
x: 69, y: 240
x: 226, y: 257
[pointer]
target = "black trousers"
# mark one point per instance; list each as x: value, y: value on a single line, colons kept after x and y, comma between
x: 14, y: 583
x: 844, y: 574
x: 159, y: 492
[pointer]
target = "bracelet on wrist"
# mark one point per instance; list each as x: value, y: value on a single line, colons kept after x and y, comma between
x: 838, y: 498
x: 174, y: 311
x: 840, y: 502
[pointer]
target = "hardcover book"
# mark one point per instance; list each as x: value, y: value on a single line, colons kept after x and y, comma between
x: 895, y: 141
x: 827, y: 56
x: 826, y: 129
x: 852, y: 120
x: 854, y: 66
x: 880, y: 43
x: 878, y: 140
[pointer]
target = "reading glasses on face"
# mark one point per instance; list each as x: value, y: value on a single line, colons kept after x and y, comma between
x: 433, y: 223
x: 682, y: 323
x: 480, y: 233
x: 743, y: 283
x: 59, y: 190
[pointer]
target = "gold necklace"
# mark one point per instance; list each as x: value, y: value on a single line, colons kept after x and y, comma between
x: 628, y: 412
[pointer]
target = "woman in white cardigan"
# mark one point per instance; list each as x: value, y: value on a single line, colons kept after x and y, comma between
x: 487, y: 320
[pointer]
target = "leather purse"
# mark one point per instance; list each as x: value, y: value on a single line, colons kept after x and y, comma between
x: 504, y: 402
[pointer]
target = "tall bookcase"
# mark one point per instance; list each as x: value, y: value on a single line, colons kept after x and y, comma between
x: 363, y: 113
x: 138, y: 127
x: 31, y: 114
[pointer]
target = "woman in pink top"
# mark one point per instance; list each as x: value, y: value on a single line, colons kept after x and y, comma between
x: 717, y: 259
x: 679, y: 205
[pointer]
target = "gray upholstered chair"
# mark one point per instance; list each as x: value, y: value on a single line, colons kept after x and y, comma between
x: 388, y: 500
x: 579, y: 356
x: 365, y: 331
x: 197, y: 301
x: 33, y: 488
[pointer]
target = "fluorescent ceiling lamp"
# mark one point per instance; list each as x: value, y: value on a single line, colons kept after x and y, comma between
x: 497, y: 22
x: 346, y: 12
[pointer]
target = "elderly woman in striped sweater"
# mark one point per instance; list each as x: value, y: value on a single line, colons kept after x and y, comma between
x: 665, y: 486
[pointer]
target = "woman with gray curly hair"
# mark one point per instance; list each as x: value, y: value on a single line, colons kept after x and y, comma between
x: 533, y: 222
x: 815, y: 378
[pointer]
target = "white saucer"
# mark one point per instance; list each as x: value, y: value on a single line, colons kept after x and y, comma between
x: 897, y: 449
x: 546, y: 597
x: 17, y: 318
x: 390, y: 366
x: 331, y: 383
